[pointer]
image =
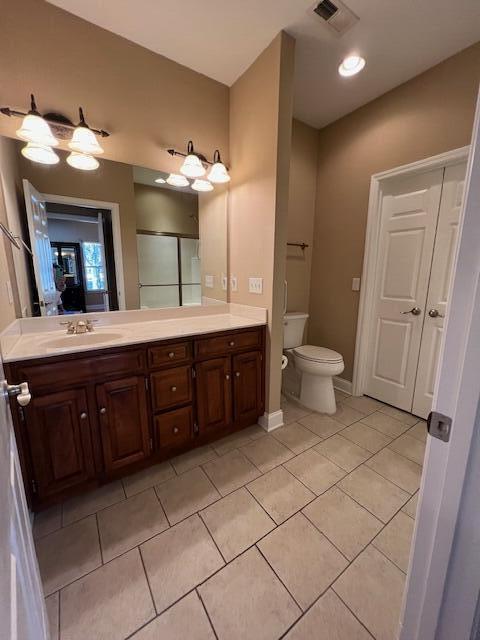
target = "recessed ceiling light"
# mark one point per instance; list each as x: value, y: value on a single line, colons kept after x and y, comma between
x: 160, y: 180
x: 351, y: 66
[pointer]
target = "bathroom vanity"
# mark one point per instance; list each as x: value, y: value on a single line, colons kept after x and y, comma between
x: 99, y: 413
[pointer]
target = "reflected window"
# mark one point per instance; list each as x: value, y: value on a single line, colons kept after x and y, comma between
x: 94, y: 266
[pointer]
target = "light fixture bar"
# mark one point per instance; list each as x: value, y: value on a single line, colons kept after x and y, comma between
x: 174, y: 152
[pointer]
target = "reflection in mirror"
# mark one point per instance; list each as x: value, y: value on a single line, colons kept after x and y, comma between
x: 118, y: 237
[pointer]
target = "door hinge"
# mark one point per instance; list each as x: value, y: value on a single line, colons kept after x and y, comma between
x: 194, y: 373
x: 195, y: 428
x: 34, y: 486
x: 439, y: 426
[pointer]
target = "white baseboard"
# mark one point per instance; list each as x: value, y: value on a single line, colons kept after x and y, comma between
x: 271, y: 421
x: 342, y: 385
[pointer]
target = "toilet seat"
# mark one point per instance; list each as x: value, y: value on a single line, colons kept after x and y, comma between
x: 318, y: 354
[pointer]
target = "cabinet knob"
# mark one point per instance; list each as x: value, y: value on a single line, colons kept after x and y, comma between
x: 174, y: 388
x: 171, y: 354
x: 227, y: 376
x: 231, y: 343
x: 237, y: 373
x: 103, y: 411
x: 83, y: 416
x: 175, y: 429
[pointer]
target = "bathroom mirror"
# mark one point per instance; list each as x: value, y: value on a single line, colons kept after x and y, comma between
x: 117, y: 237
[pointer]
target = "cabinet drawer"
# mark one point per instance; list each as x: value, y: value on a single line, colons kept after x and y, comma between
x: 228, y: 343
x: 169, y: 354
x: 74, y: 370
x: 171, y: 387
x: 174, y: 428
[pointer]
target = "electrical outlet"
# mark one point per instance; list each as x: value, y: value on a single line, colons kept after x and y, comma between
x: 233, y: 283
x: 209, y: 281
x: 355, y: 284
x: 255, y: 285
x: 224, y: 282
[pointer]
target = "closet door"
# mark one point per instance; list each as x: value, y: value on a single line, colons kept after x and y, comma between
x: 409, y: 212
x: 441, y: 274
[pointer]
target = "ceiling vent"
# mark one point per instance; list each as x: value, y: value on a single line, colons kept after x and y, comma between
x: 336, y: 16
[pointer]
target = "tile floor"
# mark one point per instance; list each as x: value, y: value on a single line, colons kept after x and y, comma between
x: 300, y: 534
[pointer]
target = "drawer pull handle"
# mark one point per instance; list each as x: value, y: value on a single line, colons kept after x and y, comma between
x: 227, y: 376
x: 175, y: 429
x: 231, y: 343
x: 237, y: 373
x: 83, y: 416
x: 171, y: 354
x: 174, y: 388
x: 103, y: 411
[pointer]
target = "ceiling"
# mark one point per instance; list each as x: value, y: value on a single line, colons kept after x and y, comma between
x: 398, y: 39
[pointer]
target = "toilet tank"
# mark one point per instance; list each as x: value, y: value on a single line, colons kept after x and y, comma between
x: 293, y: 328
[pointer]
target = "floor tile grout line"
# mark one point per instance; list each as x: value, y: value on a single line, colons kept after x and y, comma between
x: 199, y: 595
x: 280, y: 579
x: 326, y: 536
x: 225, y: 561
x: 354, y: 614
x: 148, y: 581
x: 386, y: 556
x: 99, y: 540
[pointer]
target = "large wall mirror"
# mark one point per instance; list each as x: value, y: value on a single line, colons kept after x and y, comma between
x: 118, y: 237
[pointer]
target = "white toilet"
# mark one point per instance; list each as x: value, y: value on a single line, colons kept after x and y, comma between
x: 316, y: 366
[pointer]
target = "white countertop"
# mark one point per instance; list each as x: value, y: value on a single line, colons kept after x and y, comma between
x: 30, y: 338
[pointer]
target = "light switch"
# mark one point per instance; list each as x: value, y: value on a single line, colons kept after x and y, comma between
x: 209, y: 281
x: 255, y: 285
x: 233, y: 283
x: 355, y: 284
x: 224, y: 282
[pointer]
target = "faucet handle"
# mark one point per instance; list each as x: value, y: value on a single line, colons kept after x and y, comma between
x: 90, y: 324
x: 69, y: 325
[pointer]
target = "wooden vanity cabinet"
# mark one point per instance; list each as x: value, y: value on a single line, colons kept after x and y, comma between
x: 114, y: 411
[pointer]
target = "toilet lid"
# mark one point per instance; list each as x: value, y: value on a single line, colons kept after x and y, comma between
x: 317, y: 354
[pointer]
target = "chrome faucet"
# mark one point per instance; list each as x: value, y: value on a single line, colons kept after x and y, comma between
x: 80, y: 326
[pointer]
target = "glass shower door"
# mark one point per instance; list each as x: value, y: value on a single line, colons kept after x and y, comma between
x: 158, y: 270
x: 190, y: 273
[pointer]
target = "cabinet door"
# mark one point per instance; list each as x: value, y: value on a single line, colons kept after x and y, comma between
x: 58, y: 428
x: 247, y: 386
x: 122, y: 407
x: 214, y: 394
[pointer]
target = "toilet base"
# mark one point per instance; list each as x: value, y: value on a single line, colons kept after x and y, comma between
x: 317, y: 393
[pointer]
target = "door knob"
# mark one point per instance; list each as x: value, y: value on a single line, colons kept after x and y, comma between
x: 231, y: 343
x: 103, y: 411
x: 171, y: 355
x: 237, y: 373
x: 83, y: 416
x: 416, y: 311
x: 227, y: 376
x: 174, y: 388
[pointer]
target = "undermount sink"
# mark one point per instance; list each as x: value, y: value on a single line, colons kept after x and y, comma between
x: 82, y: 340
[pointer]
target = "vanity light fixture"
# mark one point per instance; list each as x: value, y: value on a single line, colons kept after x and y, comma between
x: 160, y: 180
x: 351, y: 65
x: 82, y: 161
x: 84, y: 139
x: 40, y: 153
x: 192, y: 166
x: 202, y: 185
x: 218, y: 174
x: 176, y: 180
x: 35, y: 129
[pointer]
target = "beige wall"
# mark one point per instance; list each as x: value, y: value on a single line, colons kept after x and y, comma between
x: 260, y: 137
x: 301, y: 213
x: 111, y: 182
x: 166, y: 210
x: 213, y: 240
x: 423, y: 117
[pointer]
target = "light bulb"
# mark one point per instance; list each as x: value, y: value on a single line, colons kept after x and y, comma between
x: 37, y: 130
x: 84, y: 141
x: 351, y: 66
x: 218, y: 173
x: 82, y: 161
x: 202, y: 185
x: 177, y: 180
x: 192, y: 167
x: 40, y: 153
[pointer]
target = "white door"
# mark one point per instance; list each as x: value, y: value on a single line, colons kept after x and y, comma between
x: 101, y: 239
x: 22, y: 609
x: 440, y: 277
x: 409, y: 212
x: 41, y: 249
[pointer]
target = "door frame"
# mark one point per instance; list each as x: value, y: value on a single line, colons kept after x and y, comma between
x: 114, y: 208
x: 370, y: 260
